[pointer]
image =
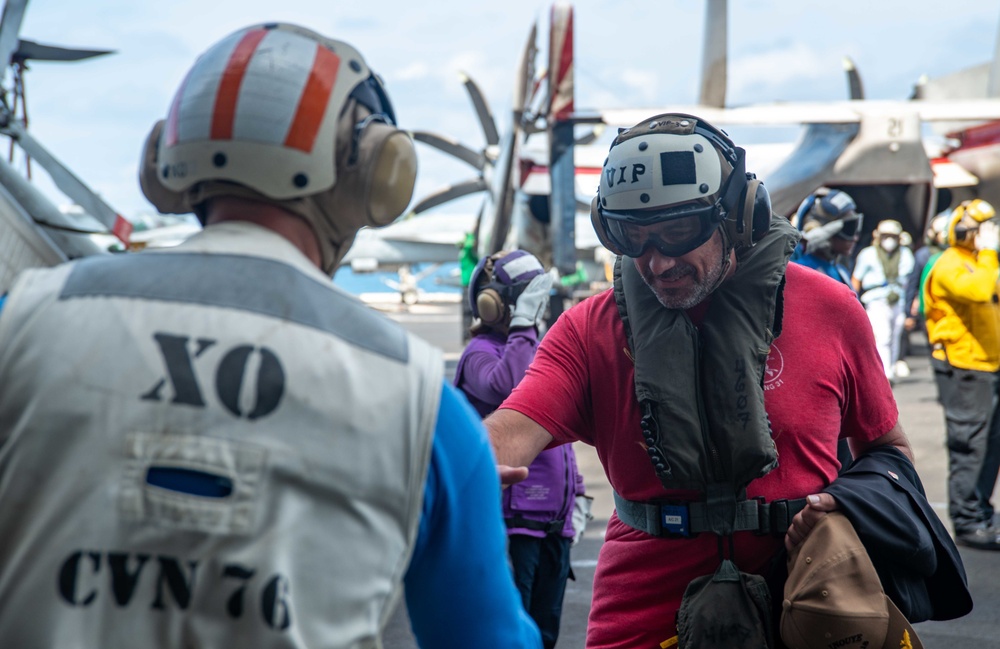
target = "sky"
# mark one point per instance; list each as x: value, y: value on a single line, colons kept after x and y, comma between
x: 94, y: 115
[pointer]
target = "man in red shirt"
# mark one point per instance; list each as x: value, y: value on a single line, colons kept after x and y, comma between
x: 712, y: 362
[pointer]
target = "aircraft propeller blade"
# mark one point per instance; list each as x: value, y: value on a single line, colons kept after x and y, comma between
x: 582, y: 205
x: 10, y: 27
x: 449, y: 193
x: 453, y: 148
x: 523, y: 82
x: 69, y: 184
x: 30, y: 50
x: 853, y: 79
x: 482, y: 110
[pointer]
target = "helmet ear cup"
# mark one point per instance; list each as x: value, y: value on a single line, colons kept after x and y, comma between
x: 760, y: 206
x: 598, y: 222
x: 957, y: 231
x: 753, y: 215
x: 164, y: 199
x: 804, y: 209
x: 376, y: 180
x: 491, y: 307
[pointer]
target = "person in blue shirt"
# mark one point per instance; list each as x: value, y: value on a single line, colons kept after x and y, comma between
x: 830, y: 222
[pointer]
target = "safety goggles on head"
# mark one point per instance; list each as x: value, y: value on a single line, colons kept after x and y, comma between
x: 676, y: 230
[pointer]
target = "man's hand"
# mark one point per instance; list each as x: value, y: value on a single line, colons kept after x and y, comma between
x: 988, y: 237
x: 511, y: 474
x: 530, y: 306
x: 816, y: 508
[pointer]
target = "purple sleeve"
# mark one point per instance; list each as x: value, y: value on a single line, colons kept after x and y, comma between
x: 491, y: 368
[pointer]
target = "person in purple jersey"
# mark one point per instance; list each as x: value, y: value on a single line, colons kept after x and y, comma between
x: 508, y: 294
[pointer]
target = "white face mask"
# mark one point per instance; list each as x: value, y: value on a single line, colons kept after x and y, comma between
x: 889, y: 244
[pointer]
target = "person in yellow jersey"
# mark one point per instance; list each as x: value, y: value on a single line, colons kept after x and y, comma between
x: 963, y: 327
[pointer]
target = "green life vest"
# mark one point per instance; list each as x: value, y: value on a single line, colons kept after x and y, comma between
x: 701, y: 389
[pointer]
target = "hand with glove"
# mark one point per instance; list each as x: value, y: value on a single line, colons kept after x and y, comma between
x: 581, y: 515
x: 988, y: 237
x: 531, y: 304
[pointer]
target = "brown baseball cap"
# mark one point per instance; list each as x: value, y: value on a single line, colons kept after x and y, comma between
x: 833, y: 596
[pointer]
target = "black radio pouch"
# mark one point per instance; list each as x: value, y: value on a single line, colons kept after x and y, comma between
x: 727, y: 610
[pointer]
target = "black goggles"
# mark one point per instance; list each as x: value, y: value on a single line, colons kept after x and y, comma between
x: 679, y: 230
x: 852, y: 226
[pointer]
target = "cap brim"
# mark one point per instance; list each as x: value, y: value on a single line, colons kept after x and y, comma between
x: 900, y: 634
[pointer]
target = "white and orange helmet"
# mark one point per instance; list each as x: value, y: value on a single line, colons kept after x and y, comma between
x: 277, y: 112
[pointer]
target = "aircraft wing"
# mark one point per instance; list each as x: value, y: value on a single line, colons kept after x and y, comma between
x: 783, y: 113
x: 427, y: 239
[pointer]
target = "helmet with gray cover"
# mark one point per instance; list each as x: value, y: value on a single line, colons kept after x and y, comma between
x: 278, y: 113
x: 669, y: 182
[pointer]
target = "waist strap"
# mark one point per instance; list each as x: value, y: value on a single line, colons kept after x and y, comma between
x: 687, y: 519
x: 549, y: 527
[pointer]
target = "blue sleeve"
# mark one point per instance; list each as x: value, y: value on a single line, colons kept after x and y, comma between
x: 459, y: 588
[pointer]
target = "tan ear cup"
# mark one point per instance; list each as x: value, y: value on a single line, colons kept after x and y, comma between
x: 602, y: 235
x: 491, y: 307
x: 164, y: 200
x: 392, y: 174
x: 375, y: 187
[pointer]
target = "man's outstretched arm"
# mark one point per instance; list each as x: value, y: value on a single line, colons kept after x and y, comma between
x: 517, y: 440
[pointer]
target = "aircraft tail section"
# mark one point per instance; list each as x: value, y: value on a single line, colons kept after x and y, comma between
x: 974, y: 82
x: 714, y: 56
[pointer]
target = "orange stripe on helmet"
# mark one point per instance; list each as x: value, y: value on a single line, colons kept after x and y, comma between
x: 313, y: 103
x: 224, y: 113
x: 170, y: 131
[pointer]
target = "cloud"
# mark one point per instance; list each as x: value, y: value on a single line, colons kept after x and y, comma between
x: 413, y: 72
x: 767, y: 71
x: 642, y: 84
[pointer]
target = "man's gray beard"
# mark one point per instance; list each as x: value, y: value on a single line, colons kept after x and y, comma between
x: 700, y: 291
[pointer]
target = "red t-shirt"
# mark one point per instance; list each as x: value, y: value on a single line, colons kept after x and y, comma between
x: 823, y: 381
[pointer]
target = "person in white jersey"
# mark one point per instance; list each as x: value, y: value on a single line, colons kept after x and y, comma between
x: 211, y: 445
